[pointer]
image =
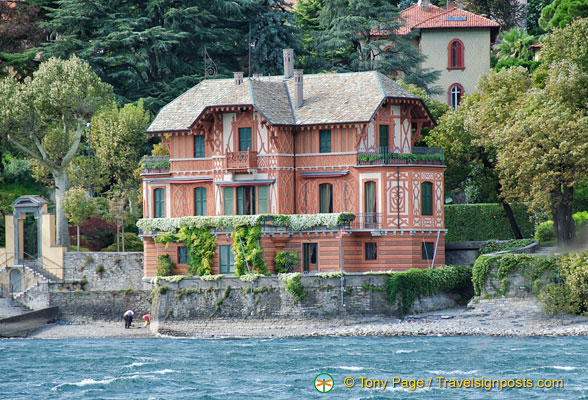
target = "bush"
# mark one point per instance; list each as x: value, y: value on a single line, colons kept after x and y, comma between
x: 546, y: 232
x: 574, y: 271
x: 96, y: 234
x: 286, y: 260
x: 165, y: 266
x: 132, y: 243
x: 405, y: 287
x: 555, y: 299
x: 469, y: 222
x: 17, y: 170
x: 492, y: 246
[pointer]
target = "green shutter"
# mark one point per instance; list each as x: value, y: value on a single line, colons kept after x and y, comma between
x: 262, y: 199
x: 226, y: 259
x: 228, y: 201
x: 325, y: 141
x: 427, y: 249
x: 158, y: 203
x: 245, y: 139
x: 199, y: 146
x: 200, y: 201
x: 427, y: 198
x: 240, y: 200
x: 384, y: 138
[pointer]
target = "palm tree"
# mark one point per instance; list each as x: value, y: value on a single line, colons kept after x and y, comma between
x: 515, y: 43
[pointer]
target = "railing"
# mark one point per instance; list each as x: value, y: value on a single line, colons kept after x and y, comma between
x: 384, y: 156
x: 155, y: 164
x: 367, y: 221
x: 241, y: 160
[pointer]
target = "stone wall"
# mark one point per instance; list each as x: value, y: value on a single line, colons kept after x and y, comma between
x: 462, y: 253
x: 105, y: 271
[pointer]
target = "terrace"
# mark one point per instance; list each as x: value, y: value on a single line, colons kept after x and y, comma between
x: 419, y: 155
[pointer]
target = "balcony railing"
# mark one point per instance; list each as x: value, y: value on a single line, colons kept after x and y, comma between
x: 383, y: 156
x: 155, y: 164
x: 241, y: 160
x: 367, y: 221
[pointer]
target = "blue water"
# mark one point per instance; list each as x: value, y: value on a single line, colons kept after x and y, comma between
x: 285, y: 368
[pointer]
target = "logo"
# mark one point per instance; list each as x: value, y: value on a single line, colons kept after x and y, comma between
x: 324, y: 383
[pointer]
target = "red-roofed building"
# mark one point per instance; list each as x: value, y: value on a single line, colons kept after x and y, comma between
x: 456, y: 42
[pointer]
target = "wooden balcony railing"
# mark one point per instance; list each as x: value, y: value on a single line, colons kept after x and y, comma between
x: 241, y: 160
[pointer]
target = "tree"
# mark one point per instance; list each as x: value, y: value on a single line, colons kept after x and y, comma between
x: 121, y: 208
x: 569, y: 44
x: 562, y: 12
x: 508, y: 13
x: 514, y: 49
x: 116, y: 137
x: 79, y: 207
x: 360, y: 36
x: 534, y: 9
x: 46, y: 117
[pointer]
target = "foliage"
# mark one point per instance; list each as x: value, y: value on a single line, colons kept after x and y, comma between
x: 508, y: 13
x: 569, y: 44
x: 326, y: 275
x: 469, y: 222
x: 165, y: 265
x: 514, y: 49
x: 492, y: 246
x: 209, y: 278
x: 100, y: 270
x: 201, y: 246
x: 96, y: 234
x: 405, y: 287
x: 46, y: 117
x: 500, y: 267
x: 546, y: 232
x: 436, y: 108
x: 574, y: 272
x: 385, y: 157
x: 534, y: 9
x: 293, y: 285
x: 555, y: 298
x: 560, y: 13
x: 250, y: 277
x: 132, y: 243
x: 78, y: 206
x: 248, y: 237
x: 16, y: 170
x: 286, y: 260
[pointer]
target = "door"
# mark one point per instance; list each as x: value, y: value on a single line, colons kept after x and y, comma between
x: 227, y: 259
x: 15, y: 281
x: 310, y: 257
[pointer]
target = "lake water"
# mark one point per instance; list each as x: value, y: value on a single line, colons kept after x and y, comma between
x: 286, y: 368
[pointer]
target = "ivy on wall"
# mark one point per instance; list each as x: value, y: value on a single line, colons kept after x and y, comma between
x: 201, y: 246
x: 249, y: 236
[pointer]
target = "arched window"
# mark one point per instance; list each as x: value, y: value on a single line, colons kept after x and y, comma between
x: 200, y: 201
x: 455, y: 52
x: 426, y: 198
x: 326, y: 198
x: 455, y: 93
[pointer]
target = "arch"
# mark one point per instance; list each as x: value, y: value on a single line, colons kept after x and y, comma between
x: 427, y: 198
x: 455, y: 55
x: 454, y: 95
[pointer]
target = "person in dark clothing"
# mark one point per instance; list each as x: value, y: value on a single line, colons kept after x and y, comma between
x: 128, y: 316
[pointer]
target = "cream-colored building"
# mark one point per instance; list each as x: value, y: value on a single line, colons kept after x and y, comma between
x: 455, y: 41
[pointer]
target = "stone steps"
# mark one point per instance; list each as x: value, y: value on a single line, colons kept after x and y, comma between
x: 546, y: 250
x: 10, y: 308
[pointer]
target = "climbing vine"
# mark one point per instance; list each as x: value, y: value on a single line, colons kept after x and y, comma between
x: 249, y: 236
x: 293, y: 285
x: 201, y: 246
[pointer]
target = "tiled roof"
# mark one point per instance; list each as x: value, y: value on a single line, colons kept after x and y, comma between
x: 415, y: 14
x: 328, y: 98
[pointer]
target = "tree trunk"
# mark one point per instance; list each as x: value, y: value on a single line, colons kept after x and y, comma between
x: 511, y: 219
x: 117, y: 238
x: 123, y: 238
x: 563, y: 221
x: 61, y: 186
x: 78, y: 238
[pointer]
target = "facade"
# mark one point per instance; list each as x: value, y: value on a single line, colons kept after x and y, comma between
x: 302, y: 144
x: 455, y: 41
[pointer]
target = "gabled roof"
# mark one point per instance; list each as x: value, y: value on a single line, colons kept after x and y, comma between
x: 416, y: 17
x: 328, y: 99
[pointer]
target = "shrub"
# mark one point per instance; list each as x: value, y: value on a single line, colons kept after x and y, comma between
x: 96, y: 233
x: 546, y: 232
x: 405, y: 287
x: 17, y: 170
x: 468, y: 222
x: 132, y: 243
x: 100, y: 270
x: 293, y: 285
x: 165, y: 265
x: 286, y: 260
x: 574, y: 271
x: 555, y: 299
x: 492, y: 246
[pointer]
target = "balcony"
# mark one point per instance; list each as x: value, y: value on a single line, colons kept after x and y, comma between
x: 241, y: 160
x: 419, y: 155
x: 155, y: 164
x: 366, y: 221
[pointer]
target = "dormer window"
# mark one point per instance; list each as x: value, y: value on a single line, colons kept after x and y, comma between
x: 455, y: 52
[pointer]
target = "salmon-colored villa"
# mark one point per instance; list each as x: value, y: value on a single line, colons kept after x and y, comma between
x: 302, y: 144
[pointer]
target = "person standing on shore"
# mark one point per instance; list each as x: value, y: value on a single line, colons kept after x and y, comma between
x: 128, y: 316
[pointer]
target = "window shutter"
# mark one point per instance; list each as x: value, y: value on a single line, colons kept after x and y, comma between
x: 200, y: 201
x: 228, y: 200
x: 240, y: 200
x: 199, y: 146
x: 262, y: 199
x: 245, y: 139
x: 325, y: 141
x: 384, y: 138
x: 427, y: 198
x: 158, y: 203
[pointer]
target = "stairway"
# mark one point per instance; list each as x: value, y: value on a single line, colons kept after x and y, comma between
x: 546, y: 251
x: 10, y: 308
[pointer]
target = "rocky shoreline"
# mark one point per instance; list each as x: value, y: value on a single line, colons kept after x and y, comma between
x: 491, y: 317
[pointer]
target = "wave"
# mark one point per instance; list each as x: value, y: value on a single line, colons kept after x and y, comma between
x: 85, y: 382
x: 565, y: 368
x: 401, y: 351
x: 455, y: 372
x: 350, y: 368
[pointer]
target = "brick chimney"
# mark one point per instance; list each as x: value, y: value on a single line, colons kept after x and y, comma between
x: 238, y: 78
x: 288, y: 63
x: 298, y: 88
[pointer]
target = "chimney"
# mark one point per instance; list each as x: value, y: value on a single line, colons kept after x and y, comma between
x: 460, y: 4
x: 288, y: 63
x: 298, y: 88
x: 238, y: 78
x: 426, y: 4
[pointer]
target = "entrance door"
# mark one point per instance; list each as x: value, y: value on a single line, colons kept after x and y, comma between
x: 310, y: 257
x: 15, y: 281
x: 227, y: 259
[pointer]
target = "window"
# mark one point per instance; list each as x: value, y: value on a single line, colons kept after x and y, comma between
x: 371, y: 251
x: 245, y: 139
x: 427, y: 250
x: 182, y: 255
x: 455, y: 54
x: 199, y: 146
x: 228, y: 196
x: 455, y: 93
x: 200, y: 201
x: 326, y: 198
x: 227, y: 259
x: 384, y: 138
x: 325, y: 141
x: 158, y: 203
x: 246, y: 200
x: 262, y: 199
x: 370, y: 203
x: 426, y: 198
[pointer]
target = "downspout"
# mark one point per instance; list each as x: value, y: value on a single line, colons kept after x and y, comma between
x: 435, y: 250
x: 398, y: 196
x: 295, y: 180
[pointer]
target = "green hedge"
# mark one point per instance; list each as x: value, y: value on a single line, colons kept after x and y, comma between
x: 471, y: 222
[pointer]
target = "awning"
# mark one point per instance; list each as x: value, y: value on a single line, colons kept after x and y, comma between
x: 259, y: 182
x: 323, y: 174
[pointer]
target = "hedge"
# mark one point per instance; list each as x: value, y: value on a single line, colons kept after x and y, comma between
x: 472, y: 222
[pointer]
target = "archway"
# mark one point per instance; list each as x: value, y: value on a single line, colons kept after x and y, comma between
x: 15, y: 281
